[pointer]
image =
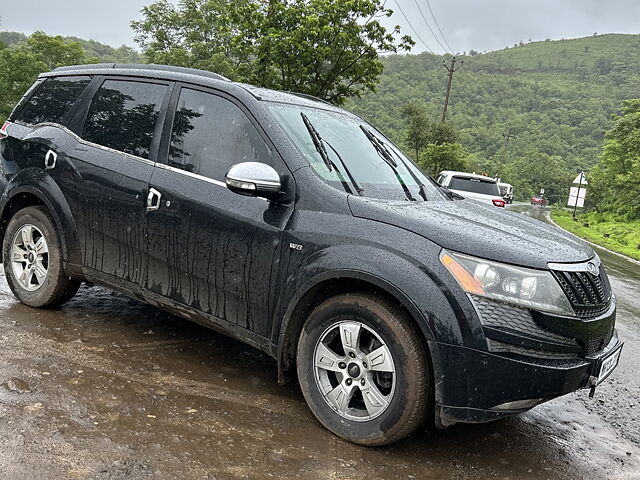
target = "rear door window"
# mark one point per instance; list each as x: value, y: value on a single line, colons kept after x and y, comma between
x: 52, y: 100
x: 475, y: 185
x: 210, y: 134
x: 123, y: 116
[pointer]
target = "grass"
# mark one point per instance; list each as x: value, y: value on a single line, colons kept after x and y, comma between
x: 621, y: 237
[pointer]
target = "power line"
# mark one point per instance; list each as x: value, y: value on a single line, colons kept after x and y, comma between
x: 438, y: 27
x: 412, y: 28
x: 429, y: 27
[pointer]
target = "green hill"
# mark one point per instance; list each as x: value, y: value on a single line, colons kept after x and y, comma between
x: 104, y: 53
x: 556, y: 97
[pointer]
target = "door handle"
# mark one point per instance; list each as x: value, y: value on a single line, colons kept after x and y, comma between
x: 153, y: 200
x: 50, y: 159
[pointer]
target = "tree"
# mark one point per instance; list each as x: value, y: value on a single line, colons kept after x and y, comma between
x: 418, y: 127
x: 446, y: 156
x: 21, y: 65
x: 323, y: 48
x: 615, y: 180
x: 18, y: 70
x: 55, y: 51
x: 536, y: 170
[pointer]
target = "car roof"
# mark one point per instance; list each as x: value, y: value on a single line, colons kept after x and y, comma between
x: 452, y: 173
x: 192, y: 75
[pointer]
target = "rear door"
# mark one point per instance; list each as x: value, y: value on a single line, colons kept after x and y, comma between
x: 39, y: 123
x: 210, y: 249
x: 106, y: 176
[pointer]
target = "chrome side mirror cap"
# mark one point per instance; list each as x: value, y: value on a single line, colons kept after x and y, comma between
x: 254, y: 179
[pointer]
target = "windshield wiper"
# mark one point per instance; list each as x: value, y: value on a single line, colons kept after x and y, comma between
x: 421, y: 186
x: 386, y: 156
x: 320, y: 143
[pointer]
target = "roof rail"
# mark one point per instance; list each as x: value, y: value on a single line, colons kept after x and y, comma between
x: 143, y: 66
x: 310, y: 97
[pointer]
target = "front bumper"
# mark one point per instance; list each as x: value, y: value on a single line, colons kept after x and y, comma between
x: 480, y: 386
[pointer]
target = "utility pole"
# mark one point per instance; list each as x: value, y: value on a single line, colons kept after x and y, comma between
x: 508, y: 135
x: 450, y: 71
x: 575, y: 205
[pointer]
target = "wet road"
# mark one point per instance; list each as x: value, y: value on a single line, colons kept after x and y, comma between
x: 108, y: 388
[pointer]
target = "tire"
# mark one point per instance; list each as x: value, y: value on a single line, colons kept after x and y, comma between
x: 41, y: 251
x: 405, y: 391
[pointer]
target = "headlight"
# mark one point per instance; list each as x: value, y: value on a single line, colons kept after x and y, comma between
x: 525, y: 287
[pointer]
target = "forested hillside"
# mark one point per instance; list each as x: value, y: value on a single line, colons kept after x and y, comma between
x: 555, y: 98
x: 92, y: 49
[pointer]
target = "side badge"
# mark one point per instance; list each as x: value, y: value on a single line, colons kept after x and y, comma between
x: 295, y: 246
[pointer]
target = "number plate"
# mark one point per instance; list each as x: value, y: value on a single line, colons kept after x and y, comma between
x: 609, y: 364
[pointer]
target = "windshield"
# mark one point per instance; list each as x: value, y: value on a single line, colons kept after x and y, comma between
x: 475, y: 185
x: 359, y: 158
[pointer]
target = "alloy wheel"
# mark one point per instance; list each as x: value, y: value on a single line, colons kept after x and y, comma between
x: 30, y: 257
x: 354, y: 371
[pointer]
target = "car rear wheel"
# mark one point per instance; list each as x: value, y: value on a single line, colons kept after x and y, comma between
x: 32, y: 258
x: 363, y: 370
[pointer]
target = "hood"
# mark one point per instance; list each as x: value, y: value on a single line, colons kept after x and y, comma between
x: 480, y: 230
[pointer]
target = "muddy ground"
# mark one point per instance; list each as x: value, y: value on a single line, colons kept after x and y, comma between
x: 108, y: 388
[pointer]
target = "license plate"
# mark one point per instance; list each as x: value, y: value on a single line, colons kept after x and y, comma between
x: 609, y: 364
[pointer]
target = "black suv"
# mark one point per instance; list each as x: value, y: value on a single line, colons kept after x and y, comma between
x: 300, y: 229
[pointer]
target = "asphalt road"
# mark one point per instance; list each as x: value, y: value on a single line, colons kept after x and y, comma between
x: 108, y: 388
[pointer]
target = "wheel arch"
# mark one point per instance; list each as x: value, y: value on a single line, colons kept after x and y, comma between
x: 31, y: 188
x: 330, y: 284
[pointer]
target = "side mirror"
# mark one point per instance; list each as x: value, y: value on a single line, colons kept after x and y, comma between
x: 254, y: 179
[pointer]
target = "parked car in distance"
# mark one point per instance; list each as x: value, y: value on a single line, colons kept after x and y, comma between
x: 539, y: 200
x: 298, y: 228
x: 472, y: 186
x: 506, y: 191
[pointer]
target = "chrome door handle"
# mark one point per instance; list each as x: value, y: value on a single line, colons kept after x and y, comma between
x: 50, y: 159
x: 153, y: 200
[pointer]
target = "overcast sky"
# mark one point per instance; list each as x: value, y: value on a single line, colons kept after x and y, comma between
x: 466, y: 24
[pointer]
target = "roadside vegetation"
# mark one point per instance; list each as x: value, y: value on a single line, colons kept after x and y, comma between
x: 612, y: 217
x: 601, y: 229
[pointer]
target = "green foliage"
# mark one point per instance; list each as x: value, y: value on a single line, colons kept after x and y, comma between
x: 603, y: 229
x: 417, y: 127
x: 21, y: 64
x: 55, y: 51
x: 320, y: 47
x: 18, y: 70
x: 530, y: 173
x: 444, y: 156
x: 437, y: 139
x: 615, y: 181
x: 92, y: 49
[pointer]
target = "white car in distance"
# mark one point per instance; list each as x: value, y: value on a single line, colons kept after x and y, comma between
x: 472, y: 186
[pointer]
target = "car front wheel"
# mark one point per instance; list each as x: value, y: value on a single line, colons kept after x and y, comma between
x: 363, y: 369
x: 32, y: 258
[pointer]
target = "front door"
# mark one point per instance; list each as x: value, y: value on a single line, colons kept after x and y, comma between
x: 210, y: 249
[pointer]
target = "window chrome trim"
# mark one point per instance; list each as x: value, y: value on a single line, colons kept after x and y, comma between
x: 191, y: 174
x: 577, y: 267
x: 81, y: 140
x: 134, y: 157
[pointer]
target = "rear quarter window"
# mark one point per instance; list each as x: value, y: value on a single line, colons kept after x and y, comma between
x: 51, y: 100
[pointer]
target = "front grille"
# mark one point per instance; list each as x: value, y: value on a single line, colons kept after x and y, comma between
x: 589, y: 295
